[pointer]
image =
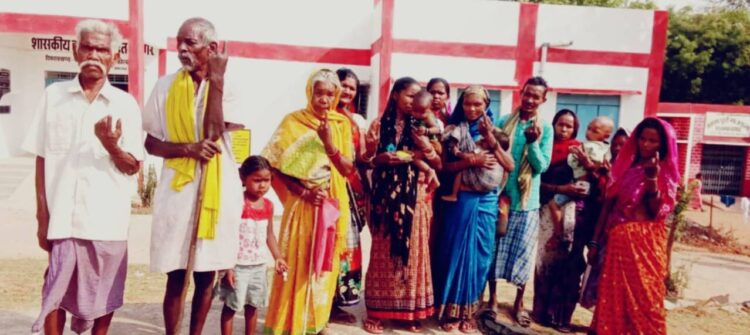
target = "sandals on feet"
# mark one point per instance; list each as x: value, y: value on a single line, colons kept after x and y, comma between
x: 449, y: 326
x: 468, y: 327
x: 341, y: 316
x: 523, y: 319
x: 372, y: 326
x: 564, y: 329
x: 415, y: 327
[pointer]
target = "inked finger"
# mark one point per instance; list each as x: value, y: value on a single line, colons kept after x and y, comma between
x: 108, y: 123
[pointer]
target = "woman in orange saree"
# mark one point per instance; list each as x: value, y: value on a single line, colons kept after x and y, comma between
x: 640, y: 196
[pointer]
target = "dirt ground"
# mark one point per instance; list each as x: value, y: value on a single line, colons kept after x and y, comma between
x: 728, y: 219
x: 21, y: 283
x: 23, y: 264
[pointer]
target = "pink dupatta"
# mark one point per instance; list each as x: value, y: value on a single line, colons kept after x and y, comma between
x: 627, y: 180
x: 325, y: 236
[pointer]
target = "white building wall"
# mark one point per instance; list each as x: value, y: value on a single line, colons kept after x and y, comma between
x: 322, y: 23
x: 631, y: 110
x: 27, y: 74
x: 377, y: 22
x: 506, y: 102
x: 372, y: 102
x: 109, y: 9
x: 549, y: 108
x: 596, y: 77
x: 462, y: 70
x: 273, y: 88
x: 601, y: 77
x: 595, y: 28
x: 481, y: 22
x: 26, y: 89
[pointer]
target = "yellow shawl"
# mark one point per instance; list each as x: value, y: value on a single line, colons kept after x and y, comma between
x: 180, y: 118
x: 296, y: 151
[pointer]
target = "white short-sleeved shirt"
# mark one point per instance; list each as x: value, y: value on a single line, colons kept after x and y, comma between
x: 87, y: 196
x: 173, y: 211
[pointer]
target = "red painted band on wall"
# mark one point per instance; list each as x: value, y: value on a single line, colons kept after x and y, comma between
x: 592, y: 91
x: 162, y: 62
x: 675, y: 107
x: 376, y: 46
x: 508, y: 52
x: 136, y: 60
x: 656, y: 61
x: 49, y: 24
x: 526, y: 52
x: 386, y: 50
x: 472, y: 50
x: 292, y: 52
x: 589, y: 57
x: 465, y: 85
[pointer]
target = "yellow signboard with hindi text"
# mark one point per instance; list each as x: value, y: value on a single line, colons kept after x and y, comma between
x: 240, y: 144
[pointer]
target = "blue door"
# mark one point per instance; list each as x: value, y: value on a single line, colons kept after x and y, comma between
x: 587, y: 107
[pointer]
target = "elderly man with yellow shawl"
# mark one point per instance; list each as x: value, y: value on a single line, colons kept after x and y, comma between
x: 531, y: 148
x: 185, y: 118
x: 311, y: 153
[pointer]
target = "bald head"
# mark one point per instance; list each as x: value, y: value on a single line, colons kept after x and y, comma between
x: 600, y: 128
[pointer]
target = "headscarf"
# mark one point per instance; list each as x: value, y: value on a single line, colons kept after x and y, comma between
x: 295, y: 148
x: 629, y: 180
x: 561, y: 149
x: 620, y: 132
x: 395, y: 187
x: 458, y: 116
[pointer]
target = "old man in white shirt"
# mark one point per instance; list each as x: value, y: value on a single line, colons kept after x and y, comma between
x: 88, y: 141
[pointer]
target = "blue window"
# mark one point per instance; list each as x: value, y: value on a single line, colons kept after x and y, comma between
x: 587, y: 107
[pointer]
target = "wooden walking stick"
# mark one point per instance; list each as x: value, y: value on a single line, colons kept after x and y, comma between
x: 191, y: 248
x: 213, y: 129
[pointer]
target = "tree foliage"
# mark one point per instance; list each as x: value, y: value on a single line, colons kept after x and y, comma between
x: 708, y: 57
x: 734, y: 3
x: 639, y: 4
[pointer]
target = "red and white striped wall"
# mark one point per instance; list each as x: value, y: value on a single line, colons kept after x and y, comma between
x: 497, y: 44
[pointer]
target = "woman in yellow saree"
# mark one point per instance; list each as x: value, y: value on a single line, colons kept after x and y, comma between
x: 311, y: 153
